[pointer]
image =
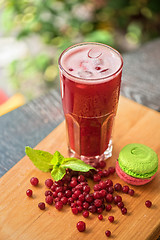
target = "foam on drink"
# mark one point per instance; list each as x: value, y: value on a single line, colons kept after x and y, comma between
x: 91, y: 61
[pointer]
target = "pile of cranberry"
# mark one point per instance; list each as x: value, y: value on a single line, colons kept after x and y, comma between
x: 74, y: 190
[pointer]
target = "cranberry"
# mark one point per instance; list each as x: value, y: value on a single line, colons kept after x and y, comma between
x: 102, y: 193
x: 85, y: 214
x: 102, y: 164
x: 96, y: 195
x: 105, y: 173
x: 74, y: 196
x: 54, y: 194
x: 125, y: 189
x: 111, y: 218
x: 70, y: 69
x: 118, y: 187
x: 100, y: 217
x: 75, y: 211
x: 117, y: 199
x: 108, y: 233
x: 49, y: 200
x: 79, y: 203
x: 59, y: 189
x: 81, y: 178
x: 131, y: 192
x: 103, y: 184
x: 98, y: 68
x: 57, y: 199
x: 92, y: 208
x: 148, y: 203
x: 49, y: 183
x: 79, y: 187
x: 85, y: 205
x: 89, y: 198
x: 53, y: 187
x: 77, y: 192
x: 81, y: 226
x: 73, y: 183
x: 86, y: 188
x: 81, y: 197
x: 70, y: 200
x: 100, y: 172
x: 41, y: 205
x: 120, y: 204
x: 97, y: 202
x: 29, y: 192
x: 109, y: 183
x: 73, y: 205
x: 64, y: 200
x: 34, y: 181
x: 110, y: 190
x: 80, y: 208
x: 48, y: 193
x: 59, y: 205
x: 109, y: 198
x: 111, y: 170
x: 124, y: 210
x: 99, y: 210
x: 68, y: 193
x: 108, y: 207
x: 96, y: 187
x: 96, y: 165
x: 60, y: 195
x: 96, y: 178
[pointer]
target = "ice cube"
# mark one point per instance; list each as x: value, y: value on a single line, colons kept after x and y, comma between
x: 85, y: 74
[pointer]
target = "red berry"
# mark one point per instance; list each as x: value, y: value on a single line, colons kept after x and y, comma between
x: 109, y: 198
x: 111, y: 218
x: 81, y: 197
x: 96, y: 178
x: 73, y: 205
x: 108, y: 233
x: 97, y: 202
x: 109, y: 183
x: 53, y: 187
x: 59, y: 205
x: 68, y: 193
x: 49, y: 200
x: 81, y: 226
x: 86, y: 189
x: 96, y: 195
x: 89, y: 198
x: 124, y: 210
x: 70, y: 200
x: 102, y: 193
x: 48, y: 192
x: 108, y: 207
x: 111, y: 170
x: 110, y: 189
x: 118, y: 187
x: 105, y: 173
x: 79, y: 203
x: 96, y: 187
x: 73, y: 183
x: 54, y: 194
x: 85, y: 214
x: 81, y: 178
x: 125, y: 189
x: 41, y: 205
x: 29, y: 192
x: 99, y: 210
x: 59, y: 189
x: 98, y: 68
x: 148, y: 203
x: 80, y: 208
x: 64, y: 200
x: 49, y: 183
x: 75, y: 211
x: 34, y: 181
x: 70, y: 69
x: 120, y: 204
x: 103, y: 184
x: 100, y: 217
x: 131, y: 192
x: 117, y: 199
x: 85, y: 205
x: 102, y: 164
x: 92, y: 208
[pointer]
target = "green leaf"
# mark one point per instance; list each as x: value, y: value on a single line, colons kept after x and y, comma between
x: 76, y: 165
x: 57, y: 159
x: 40, y: 159
x: 58, y: 173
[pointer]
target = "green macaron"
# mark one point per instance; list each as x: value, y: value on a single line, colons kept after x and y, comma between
x: 138, y: 160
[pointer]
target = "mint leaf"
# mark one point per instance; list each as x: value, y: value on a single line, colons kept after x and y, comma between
x: 76, y: 165
x: 40, y: 159
x: 57, y: 159
x: 58, y: 173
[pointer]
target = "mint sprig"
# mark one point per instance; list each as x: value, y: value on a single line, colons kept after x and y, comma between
x: 56, y: 163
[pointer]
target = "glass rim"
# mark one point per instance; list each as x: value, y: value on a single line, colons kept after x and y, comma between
x: 98, y: 80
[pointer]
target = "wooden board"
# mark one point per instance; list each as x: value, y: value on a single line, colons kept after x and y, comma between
x: 21, y: 219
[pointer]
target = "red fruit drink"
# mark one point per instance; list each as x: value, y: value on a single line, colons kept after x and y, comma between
x: 90, y: 76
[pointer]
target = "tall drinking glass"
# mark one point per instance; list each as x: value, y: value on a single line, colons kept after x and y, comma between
x: 90, y: 77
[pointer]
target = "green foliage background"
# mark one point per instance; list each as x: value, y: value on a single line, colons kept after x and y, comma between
x: 62, y: 23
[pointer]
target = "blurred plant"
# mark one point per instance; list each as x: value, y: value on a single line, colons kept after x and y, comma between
x: 62, y: 23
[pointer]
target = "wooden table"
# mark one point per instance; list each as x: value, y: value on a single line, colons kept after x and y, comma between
x: 29, y: 124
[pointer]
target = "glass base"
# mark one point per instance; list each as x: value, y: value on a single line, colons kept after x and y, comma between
x: 94, y: 159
